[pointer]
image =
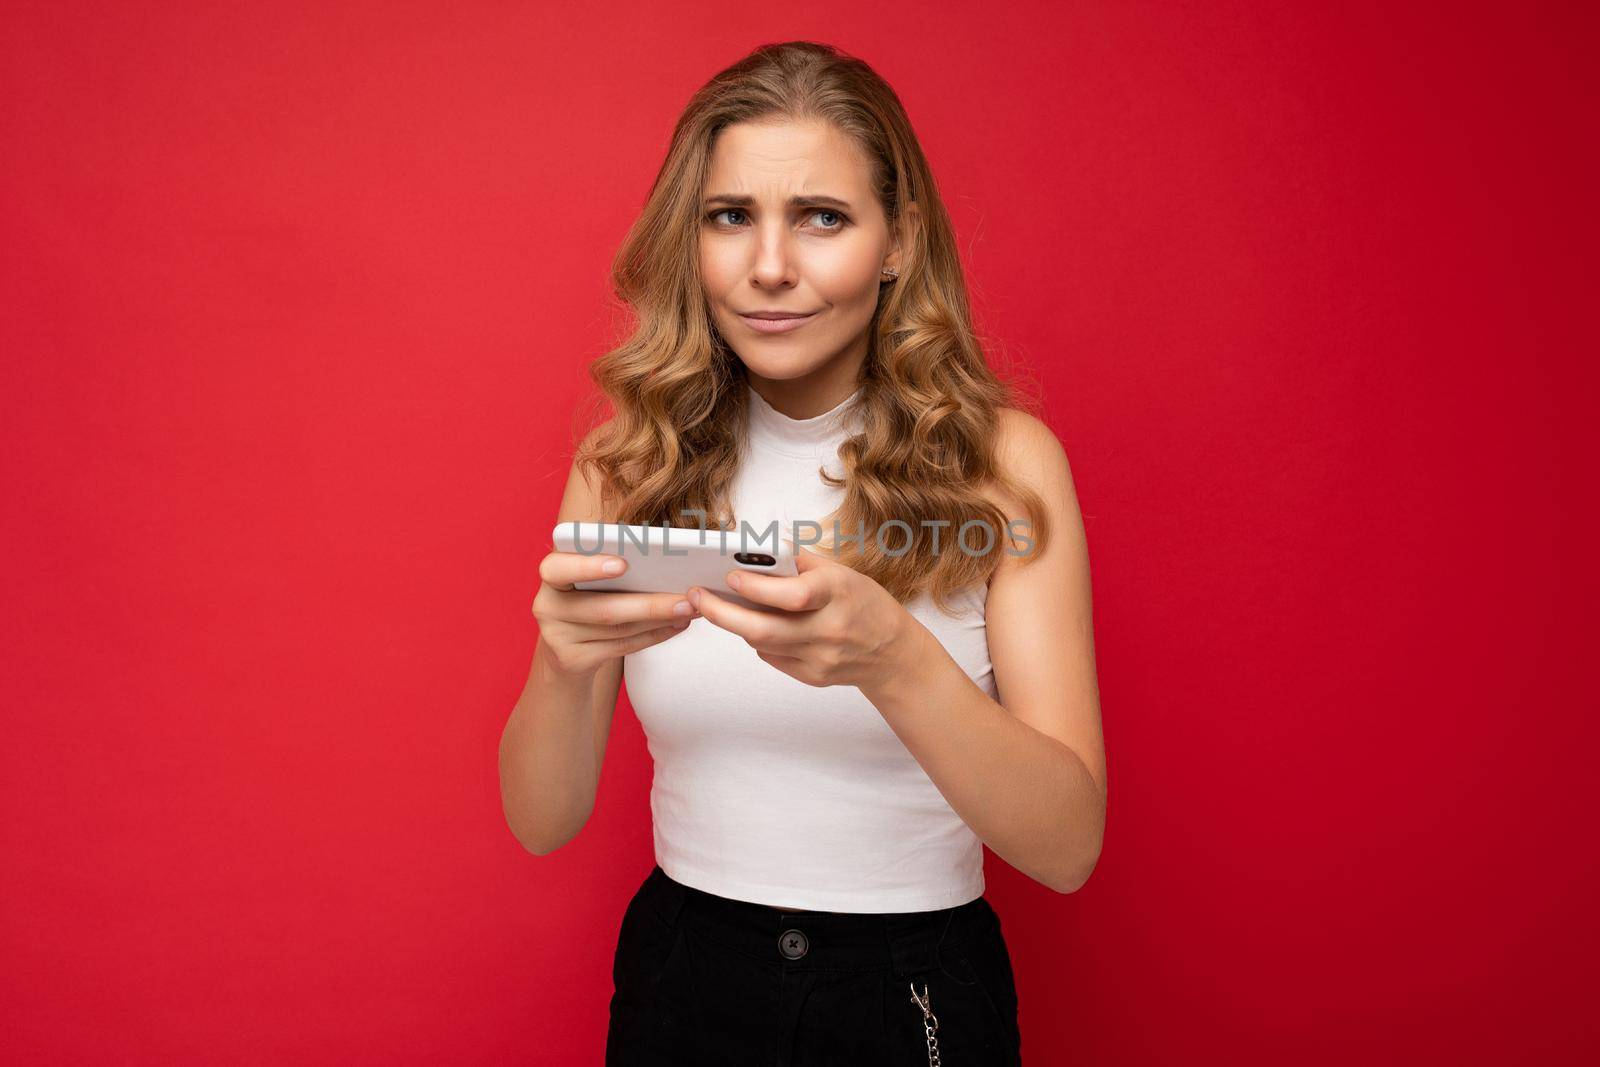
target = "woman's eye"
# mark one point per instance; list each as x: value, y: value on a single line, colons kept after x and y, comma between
x: 838, y: 225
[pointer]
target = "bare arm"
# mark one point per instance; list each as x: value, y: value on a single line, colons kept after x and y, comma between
x: 551, y: 751
x: 1026, y: 772
x: 554, y: 742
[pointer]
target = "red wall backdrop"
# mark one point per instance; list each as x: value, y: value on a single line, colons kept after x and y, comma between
x: 295, y: 305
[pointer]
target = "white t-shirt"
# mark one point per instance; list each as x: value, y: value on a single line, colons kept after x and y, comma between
x: 770, y: 790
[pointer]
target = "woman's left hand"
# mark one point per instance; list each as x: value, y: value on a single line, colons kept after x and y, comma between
x: 835, y: 625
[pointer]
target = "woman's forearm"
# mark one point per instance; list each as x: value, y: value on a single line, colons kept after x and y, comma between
x: 548, y: 772
x: 1026, y: 795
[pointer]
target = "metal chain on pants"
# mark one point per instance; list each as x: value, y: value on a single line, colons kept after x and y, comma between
x: 930, y: 1022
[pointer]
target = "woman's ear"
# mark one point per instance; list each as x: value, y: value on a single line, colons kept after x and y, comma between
x: 907, y: 230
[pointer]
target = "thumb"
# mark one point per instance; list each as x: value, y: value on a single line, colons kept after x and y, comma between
x: 806, y: 560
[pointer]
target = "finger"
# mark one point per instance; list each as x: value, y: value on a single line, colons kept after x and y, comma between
x: 807, y: 561
x: 761, y: 629
x: 805, y: 592
x: 597, y: 607
x: 561, y: 570
x: 596, y: 635
x: 623, y: 645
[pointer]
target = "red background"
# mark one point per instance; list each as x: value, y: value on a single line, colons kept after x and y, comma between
x: 295, y: 306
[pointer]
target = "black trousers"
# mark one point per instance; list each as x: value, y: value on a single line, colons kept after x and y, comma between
x: 700, y: 979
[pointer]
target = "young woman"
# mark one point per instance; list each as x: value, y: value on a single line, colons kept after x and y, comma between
x: 827, y: 770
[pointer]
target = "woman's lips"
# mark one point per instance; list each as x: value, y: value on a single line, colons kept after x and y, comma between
x: 777, y: 325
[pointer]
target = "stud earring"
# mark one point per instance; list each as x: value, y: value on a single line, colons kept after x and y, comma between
x: 890, y: 273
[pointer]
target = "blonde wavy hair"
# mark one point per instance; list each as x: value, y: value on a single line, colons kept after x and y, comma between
x: 930, y: 402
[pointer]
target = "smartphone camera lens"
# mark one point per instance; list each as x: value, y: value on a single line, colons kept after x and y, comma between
x: 755, y: 559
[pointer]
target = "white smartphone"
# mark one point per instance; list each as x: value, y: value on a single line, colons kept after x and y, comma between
x: 670, y: 559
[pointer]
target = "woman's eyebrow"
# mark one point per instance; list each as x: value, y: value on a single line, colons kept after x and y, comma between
x: 794, y: 201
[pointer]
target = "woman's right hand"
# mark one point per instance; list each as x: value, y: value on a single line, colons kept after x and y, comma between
x: 580, y: 629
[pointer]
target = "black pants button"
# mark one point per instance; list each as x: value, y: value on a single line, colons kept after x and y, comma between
x: 793, y: 944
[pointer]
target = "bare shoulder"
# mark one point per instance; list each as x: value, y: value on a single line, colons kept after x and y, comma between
x: 1027, y: 439
x: 583, y: 499
x: 1029, y: 452
x: 1039, y: 612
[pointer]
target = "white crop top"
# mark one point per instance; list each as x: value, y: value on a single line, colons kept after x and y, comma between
x: 770, y: 790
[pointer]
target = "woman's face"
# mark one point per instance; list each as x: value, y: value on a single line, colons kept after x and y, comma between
x: 789, y: 223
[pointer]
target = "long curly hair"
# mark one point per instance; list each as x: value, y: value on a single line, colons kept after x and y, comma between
x: 930, y: 403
